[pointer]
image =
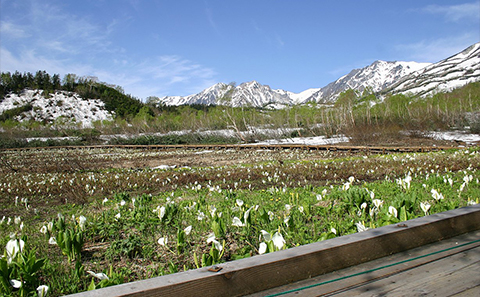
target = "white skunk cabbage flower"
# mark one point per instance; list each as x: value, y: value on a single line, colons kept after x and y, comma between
x: 237, y: 222
x: 278, y: 240
x: 100, y: 275
x: 42, y: 290
x: 14, y: 246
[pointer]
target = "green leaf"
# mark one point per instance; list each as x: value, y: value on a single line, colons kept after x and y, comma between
x: 172, y: 267
x: 92, y: 286
x: 195, y: 259
x: 403, y: 214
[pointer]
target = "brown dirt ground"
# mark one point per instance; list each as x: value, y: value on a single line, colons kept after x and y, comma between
x: 215, y: 158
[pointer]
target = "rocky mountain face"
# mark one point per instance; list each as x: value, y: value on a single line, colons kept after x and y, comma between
x: 448, y: 74
x: 209, y: 96
x: 381, y: 77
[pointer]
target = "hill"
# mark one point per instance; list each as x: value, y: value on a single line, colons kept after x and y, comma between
x: 75, y: 100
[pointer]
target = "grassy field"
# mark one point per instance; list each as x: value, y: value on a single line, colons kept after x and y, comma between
x: 85, y: 219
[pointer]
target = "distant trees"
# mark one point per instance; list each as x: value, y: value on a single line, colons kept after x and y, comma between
x: 363, y: 116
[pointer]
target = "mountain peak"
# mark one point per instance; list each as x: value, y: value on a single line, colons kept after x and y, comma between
x: 398, y: 76
x: 377, y: 76
x: 250, y: 84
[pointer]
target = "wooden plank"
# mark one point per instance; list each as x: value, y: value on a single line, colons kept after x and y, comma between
x: 444, y: 277
x: 259, y: 273
x: 454, y: 262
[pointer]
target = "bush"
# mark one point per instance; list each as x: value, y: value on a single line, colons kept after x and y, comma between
x: 10, y: 114
x: 193, y: 138
x: 473, y: 120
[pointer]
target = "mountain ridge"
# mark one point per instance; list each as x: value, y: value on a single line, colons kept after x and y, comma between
x: 377, y: 76
x: 380, y: 77
x: 447, y: 74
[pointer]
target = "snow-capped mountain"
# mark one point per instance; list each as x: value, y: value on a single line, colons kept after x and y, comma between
x: 208, y: 96
x: 448, y: 74
x: 247, y: 94
x: 377, y: 76
x: 69, y: 107
x: 380, y: 76
x: 255, y: 94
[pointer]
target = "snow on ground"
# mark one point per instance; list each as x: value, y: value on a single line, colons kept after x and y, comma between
x: 455, y: 136
x: 277, y: 137
x: 44, y: 139
x: 69, y: 107
x: 317, y: 140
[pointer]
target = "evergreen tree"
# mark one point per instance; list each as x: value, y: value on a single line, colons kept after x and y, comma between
x: 56, y: 82
x: 69, y: 82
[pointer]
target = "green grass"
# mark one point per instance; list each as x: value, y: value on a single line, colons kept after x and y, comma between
x: 304, y: 201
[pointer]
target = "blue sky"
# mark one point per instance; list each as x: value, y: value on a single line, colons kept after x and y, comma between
x: 165, y: 47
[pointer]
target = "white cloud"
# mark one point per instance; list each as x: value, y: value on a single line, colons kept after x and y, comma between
x: 164, y: 75
x: 271, y: 38
x: 57, y: 41
x: 31, y: 61
x: 279, y: 40
x: 435, y: 50
x: 173, y: 75
x: 12, y: 30
x: 172, y: 67
x: 456, y: 13
x: 56, y: 31
x: 211, y: 21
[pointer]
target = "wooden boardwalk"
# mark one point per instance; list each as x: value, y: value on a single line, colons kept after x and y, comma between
x: 253, y: 146
x: 447, y: 268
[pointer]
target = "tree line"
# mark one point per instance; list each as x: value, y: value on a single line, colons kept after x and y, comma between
x: 364, y: 117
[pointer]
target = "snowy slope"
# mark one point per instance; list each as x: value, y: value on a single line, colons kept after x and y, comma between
x: 247, y: 94
x: 258, y: 95
x: 377, y: 76
x: 448, y: 74
x: 69, y: 107
x: 298, y: 98
x: 208, y: 96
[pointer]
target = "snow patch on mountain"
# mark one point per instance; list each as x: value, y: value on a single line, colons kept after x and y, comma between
x: 67, y: 107
x: 298, y: 98
x: 247, y: 94
x: 377, y: 76
x: 258, y: 95
x: 208, y: 96
x: 446, y: 75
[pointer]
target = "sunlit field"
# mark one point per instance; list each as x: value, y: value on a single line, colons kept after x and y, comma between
x: 76, y: 220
